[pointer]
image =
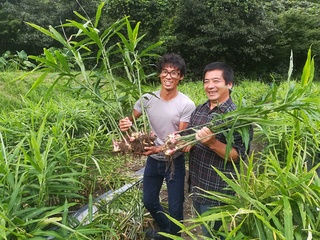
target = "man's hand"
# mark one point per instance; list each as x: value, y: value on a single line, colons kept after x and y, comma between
x: 125, y: 124
x: 205, y: 136
x: 152, y: 150
x: 186, y: 148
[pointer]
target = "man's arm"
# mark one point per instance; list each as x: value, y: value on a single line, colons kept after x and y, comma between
x: 207, y: 138
x: 183, y: 125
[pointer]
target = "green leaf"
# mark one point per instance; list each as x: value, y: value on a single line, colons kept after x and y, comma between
x: 98, y: 14
x: 288, y: 224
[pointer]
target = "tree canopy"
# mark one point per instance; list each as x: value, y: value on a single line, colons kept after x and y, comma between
x: 255, y: 37
x: 233, y: 31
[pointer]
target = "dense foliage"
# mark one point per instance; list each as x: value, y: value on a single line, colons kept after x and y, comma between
x: 256, y: 37
x: 16, y: 36
x: 233, y: 31
x: 56, y: 153
x: 297, y: 26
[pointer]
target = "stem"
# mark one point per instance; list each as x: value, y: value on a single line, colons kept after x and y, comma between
x: 192, y: 136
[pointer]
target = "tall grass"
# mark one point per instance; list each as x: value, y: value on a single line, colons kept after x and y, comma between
x: 118, y: 63
x: 78, y: 142
x: 56, y: 154
x: 53, y: 157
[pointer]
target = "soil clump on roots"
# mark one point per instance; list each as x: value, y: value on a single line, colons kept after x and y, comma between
x: 134, y: 143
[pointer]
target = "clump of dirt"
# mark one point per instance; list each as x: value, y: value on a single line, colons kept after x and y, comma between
x: 134, y: 143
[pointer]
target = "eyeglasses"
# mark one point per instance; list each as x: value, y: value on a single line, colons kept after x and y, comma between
x: 173, y: 74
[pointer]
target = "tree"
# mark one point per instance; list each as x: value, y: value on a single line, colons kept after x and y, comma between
x: 16, y: 35
x: 9, y: 24
x: 155, y: 17
x: 298, y: 24
x: 254, y: 36
x: 224, y: 30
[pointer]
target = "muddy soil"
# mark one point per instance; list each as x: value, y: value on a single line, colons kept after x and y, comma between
x: 135, y: 143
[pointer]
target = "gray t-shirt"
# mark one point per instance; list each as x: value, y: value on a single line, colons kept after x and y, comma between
x: 165, y: 116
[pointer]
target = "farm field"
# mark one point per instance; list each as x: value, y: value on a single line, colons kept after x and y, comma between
x: 67, y: 171
x: 56, y: 156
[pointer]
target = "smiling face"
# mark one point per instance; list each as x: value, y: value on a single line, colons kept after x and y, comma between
x: 215, y: 87
x: 170, y: 77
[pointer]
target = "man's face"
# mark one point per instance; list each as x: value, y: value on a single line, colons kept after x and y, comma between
x: 215, y: 86
x: 170, y: 77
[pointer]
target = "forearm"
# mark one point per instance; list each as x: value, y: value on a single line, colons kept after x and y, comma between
x: 220, y: 149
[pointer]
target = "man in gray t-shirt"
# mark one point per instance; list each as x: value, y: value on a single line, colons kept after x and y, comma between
x: 168, y: 111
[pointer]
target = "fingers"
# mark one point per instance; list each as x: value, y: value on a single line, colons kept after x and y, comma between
x: 204, y: 133
x: 206, y: 130
x: 125, y: 124
x: 201, y: 134
x: 186, y: 148
x: 197, y: 136
x: 152, y: 150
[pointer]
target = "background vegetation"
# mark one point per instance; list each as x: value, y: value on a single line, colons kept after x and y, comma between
x: 58, y: 120
x: 255, y: 37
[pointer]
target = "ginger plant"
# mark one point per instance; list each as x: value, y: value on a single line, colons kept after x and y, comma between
x: 118, y: 65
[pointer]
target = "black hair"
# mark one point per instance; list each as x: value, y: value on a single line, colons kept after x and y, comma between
x: 173, y: 60
x: 228, y: 74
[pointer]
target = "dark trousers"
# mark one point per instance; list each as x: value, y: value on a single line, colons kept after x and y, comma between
x: 154, y: 174
x: 201, y: 208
